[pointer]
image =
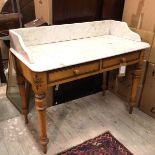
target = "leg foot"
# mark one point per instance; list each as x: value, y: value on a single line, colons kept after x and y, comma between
x: 44, y: 143
x: 131, y: 110
x: 26, y: 119
x: 45, y: 149
x: 105, y: 83
x: 25, y: 113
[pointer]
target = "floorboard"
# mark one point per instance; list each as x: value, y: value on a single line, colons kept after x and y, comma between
x: 74, y: 122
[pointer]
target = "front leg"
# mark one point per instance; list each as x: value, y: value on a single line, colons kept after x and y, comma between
x: 39, y: 85
x: 40, y: 101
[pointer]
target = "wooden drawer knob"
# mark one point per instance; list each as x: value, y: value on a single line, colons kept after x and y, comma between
x: 123, y: 60
x: 40, y: 1
x: 76, y: 71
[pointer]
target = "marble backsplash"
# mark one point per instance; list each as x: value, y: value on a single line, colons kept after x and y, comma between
x: 57, y: 33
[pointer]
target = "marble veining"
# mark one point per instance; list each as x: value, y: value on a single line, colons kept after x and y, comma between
x: 52, y: 47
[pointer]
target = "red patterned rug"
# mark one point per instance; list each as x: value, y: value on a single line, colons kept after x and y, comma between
x: 105, y: 144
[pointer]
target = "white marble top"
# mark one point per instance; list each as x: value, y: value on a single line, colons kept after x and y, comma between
x: 70, y: 44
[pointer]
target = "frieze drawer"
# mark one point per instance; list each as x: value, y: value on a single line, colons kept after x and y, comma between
x: 115, y: 61
x: 75, y: 71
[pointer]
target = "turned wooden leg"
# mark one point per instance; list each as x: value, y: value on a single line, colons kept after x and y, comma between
x: 21, y: 81
x: 21, y: 84
x: 40, y: 88
x: 28, y: 93
x: 40, y: 101
x: 2, y: 75
x: 134, y: 89
x: 136, y: 82
x: 105, y: 82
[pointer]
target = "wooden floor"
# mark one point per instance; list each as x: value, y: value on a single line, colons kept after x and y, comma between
x: 74, y: 122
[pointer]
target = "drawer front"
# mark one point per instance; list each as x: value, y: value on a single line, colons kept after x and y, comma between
x: 115, y: 61
x: 71, y: 72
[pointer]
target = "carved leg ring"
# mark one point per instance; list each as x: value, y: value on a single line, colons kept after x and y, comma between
x: 134, y: 89
x: 40, y: 101
x: 21, y: 83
